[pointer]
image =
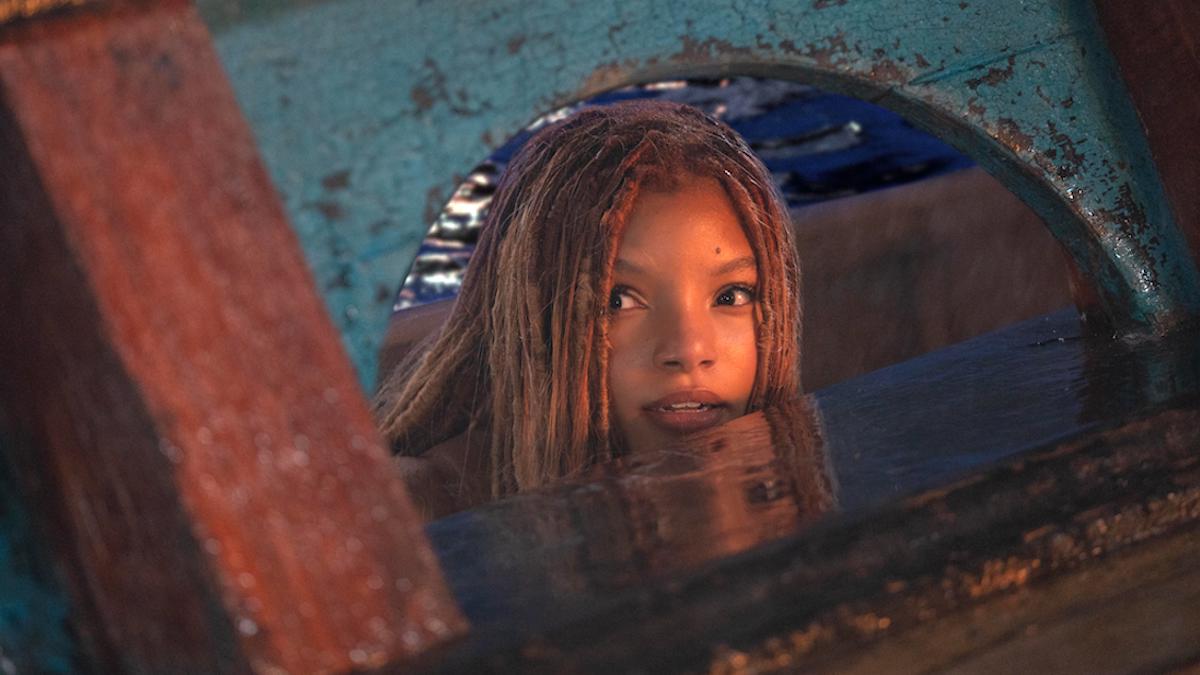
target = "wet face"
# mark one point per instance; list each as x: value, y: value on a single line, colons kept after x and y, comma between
x: 682, y: 316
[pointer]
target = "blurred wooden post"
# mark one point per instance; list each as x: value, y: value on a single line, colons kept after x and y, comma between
x: 179, y: 417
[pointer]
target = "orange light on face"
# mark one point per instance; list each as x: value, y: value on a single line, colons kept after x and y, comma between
x: 682, y: 315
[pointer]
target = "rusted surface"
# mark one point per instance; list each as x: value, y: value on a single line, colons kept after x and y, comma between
x: 1157, y: 47
x: 180, y: 419
x: 915, y: 263
x: 197, y: 451
x: 425, y: 91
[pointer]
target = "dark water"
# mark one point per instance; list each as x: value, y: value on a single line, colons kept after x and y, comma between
x: 834, y: 458
x: 818, y: 146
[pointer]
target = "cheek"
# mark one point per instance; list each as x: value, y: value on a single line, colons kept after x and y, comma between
x: 623, y: 370
x: 741, y: 356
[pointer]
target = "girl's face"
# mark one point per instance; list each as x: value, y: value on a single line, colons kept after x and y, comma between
x: 682, y: 313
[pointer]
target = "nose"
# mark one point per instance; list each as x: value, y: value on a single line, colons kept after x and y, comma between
x: 685, y: 340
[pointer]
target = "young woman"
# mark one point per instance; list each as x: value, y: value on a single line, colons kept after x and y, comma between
x: 635, y: 281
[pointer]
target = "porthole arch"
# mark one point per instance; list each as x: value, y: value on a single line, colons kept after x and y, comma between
x: 365, y: 154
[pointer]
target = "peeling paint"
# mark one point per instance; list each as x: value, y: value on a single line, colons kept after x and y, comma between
x: 421, y: 96
x: 704, y: 50
x: 606, y: 76
x: 1009, y: 133
x: 1021, y: 87
x: 331, y: 210
x: 338, y: 180
x: 889, y: 72
x: 1072, y: 158
x: 826, y: 53
x: 994, y: 76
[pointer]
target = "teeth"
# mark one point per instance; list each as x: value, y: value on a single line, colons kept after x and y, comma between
x: 690, y: 405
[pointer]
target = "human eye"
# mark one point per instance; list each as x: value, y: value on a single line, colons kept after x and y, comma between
x: 735, y: 295
x: 622, y: 297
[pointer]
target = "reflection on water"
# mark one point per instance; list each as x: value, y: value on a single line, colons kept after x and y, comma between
x: 526, y: 558
x: 531, y: 560
x: 753, y: 480
x: 931, y: 419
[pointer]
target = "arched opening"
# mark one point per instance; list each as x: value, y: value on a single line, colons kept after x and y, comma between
x: 897, y: 231
x: 1032, y: 99
x: 929, y: 563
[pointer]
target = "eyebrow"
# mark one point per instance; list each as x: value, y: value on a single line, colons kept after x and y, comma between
x: 626, y: 266
x: 735, y: 265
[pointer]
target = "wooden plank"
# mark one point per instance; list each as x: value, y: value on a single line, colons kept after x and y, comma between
x: 1157, y: 45
x: 605, y: 583
x: 1039, y: 451
x: 186, y: 430
x: 1138, y: 611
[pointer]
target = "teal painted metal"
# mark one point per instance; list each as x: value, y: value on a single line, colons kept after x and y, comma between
x: 368, y: 111
x: 33, y: 610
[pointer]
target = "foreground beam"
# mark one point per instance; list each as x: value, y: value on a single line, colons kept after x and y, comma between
x: 180, y: 423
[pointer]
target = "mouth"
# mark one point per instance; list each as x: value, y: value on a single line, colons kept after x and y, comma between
x: 687, y: 411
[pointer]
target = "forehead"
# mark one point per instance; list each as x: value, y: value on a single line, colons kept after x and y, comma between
x: 694, y: 217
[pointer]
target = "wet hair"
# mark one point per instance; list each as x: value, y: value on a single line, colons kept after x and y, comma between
x: 522, y: 361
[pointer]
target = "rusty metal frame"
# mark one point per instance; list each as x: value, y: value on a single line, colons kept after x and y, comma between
x: 365, y: 154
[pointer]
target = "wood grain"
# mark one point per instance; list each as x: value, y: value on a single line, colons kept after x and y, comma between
x: 205, y: 469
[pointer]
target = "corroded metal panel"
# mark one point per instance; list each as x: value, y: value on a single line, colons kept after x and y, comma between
x: 1155, y: 46
x: 367, y: 111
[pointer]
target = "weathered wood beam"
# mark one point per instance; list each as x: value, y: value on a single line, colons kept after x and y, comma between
x: 181, y: 422
x: 642, y: 572
x: 1018, y: 458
